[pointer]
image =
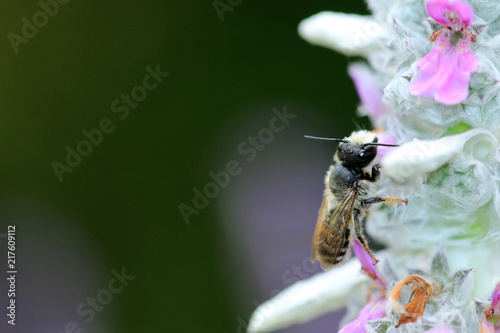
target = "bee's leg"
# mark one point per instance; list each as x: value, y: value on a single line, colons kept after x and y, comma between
x: 388, y: 200
x: 359, y: 234
x: 375, y: 176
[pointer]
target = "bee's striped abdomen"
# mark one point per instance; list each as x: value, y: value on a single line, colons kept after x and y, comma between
x: 329, y: 255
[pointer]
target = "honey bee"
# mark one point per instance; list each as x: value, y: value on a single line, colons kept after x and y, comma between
x: 349, y: 190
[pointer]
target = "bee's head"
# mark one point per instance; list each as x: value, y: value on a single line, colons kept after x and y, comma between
x: 356, y: 151
x: 357, y: 155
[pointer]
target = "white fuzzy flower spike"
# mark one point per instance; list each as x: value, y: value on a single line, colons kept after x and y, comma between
x: 308, y: 299
x: 423, y: 156
x: 430, y: 79
x: 349, y: 34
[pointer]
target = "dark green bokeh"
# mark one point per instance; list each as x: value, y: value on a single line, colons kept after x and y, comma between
x: 126, y: 193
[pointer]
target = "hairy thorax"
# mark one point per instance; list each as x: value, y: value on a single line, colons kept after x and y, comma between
x: 343, y: 179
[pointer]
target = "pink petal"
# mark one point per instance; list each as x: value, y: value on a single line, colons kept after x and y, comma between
x: 456, y: 89
x: 495, y: 300
x: 427, y: 80
x: 387, y: 138
x: 369, y: 92
x: 467, y: 59
x: 457, y: 14
x: 371, y: 311
x: 486, y: 325
x: 445, y: 71
x: 495, y: 297
x: 367, y: 262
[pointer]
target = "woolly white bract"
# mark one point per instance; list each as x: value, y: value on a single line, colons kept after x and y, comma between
x: 448, y: 167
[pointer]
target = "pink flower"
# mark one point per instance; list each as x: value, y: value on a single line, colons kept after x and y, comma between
x: 371, y: 94
x: 386, y: 138
x: 367, y: 262
x: 373, y: 310
x: 369, y: 91
x: 445, y: 71
x: 491, y: 320
x: 495, y: 300
x: 456, y: 14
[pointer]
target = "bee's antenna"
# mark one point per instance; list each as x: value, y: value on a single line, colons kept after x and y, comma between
x: 323, y: 139
x: 343, y: 140
x: 380, y: 144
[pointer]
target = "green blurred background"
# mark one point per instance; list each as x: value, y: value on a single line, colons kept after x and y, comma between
x: 122, y: 200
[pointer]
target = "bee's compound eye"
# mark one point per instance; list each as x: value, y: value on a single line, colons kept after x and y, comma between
x: 367, y: 154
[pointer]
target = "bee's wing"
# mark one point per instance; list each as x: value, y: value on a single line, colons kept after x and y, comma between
x: 320, y: 225
x: 333, y: 232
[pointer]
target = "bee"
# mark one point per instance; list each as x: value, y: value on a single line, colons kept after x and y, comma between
x: 349, y: 193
